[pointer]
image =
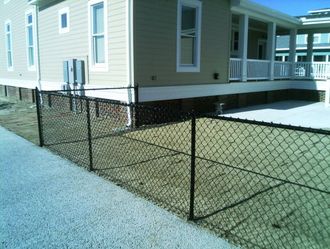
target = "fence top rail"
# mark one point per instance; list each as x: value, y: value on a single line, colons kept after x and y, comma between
x: 271, y: 124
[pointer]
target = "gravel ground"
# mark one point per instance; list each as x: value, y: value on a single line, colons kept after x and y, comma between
x: 48, y: 202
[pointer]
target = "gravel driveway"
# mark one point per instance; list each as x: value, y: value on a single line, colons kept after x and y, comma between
x: 48, y: 202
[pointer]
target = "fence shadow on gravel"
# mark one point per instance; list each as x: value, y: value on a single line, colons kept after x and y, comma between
x: 260, y: 185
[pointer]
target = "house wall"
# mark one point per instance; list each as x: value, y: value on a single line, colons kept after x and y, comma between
x: 155, y: 36
x: 14, y: 10
x: 56, y: 47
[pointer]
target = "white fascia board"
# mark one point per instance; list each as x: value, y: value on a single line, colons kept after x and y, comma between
x: 123, y: 95
x: 263, y: 13
x: 147, y: 94
x: 318, y: 11
x: 306, y: 21
x: 19, y: 83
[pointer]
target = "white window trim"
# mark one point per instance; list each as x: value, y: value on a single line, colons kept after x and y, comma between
x: 98, y: 67
x: 30, y: 12
x: 198, y: 5
x: 9, y: 68
x: 66, y: 11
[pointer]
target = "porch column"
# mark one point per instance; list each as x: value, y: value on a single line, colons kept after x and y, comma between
x: 271, y: 41
x: 309, y: 57
x: 292, y: 50
x: 310, y: 41
x: 243, y: 43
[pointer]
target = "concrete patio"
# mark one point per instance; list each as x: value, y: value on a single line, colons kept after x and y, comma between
x: 297, y: 113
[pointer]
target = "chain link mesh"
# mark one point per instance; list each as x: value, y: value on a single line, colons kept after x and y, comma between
x: 259, y: 185
x: 263, y: 186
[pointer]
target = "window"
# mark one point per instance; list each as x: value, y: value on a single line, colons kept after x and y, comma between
x: 98, y: 35
x: 9, y: 45
x: 317, y: 38
x: 301, y: 39
x: 301, y: 58
x: 29, y: 19
x: 189, y: 35
x: 278, y: 58
x: 234, y: 40
x: 63, y: 21
x: 320, y: 58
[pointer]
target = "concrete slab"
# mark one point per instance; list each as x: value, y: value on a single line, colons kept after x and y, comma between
x: 297, y: 113
x: 48, y: 202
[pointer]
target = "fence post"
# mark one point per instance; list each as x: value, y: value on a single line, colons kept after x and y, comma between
x: 89, y: 133
x: 49, y: 100
x: 39, y: 113
x: 193, y: 166
x: 97, y: 109
x: 136, y: 111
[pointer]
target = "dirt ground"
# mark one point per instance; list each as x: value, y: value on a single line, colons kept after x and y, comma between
x: 19, y: 117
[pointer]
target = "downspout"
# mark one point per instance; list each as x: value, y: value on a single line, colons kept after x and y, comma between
x: 37, y: 48
x: 130, y: 62
x: 130, y: 44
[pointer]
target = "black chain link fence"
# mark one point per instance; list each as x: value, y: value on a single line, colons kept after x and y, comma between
x: 257, y: 184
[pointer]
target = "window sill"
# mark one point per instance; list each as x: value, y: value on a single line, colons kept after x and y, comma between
x: 98, y: 68
x: 64, y: 30
x: 188, y: 69
x: 32, y: 68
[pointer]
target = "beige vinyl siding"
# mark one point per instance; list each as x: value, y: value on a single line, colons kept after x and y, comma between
x: 55, y: 47
x: 14, y: 11
x: 155, y: 36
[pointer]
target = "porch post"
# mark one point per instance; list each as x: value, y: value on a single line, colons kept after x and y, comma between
x: 271, y: 40
x: 309, y: 59
x: 310, y: 41
x: 292, y: 52
x: 243, y: 43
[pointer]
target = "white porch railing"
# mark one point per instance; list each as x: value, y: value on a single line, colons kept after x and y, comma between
x: 235, y: 69
x: 312, y: 70
x: 260, y: 70
x: 282, y: 70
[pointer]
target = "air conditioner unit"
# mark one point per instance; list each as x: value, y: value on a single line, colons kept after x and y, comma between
x: 80, y: 90
x: 65, y: 87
